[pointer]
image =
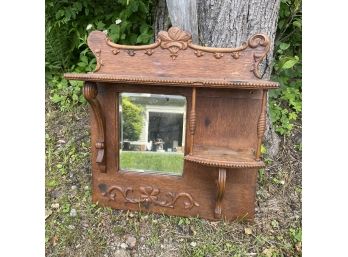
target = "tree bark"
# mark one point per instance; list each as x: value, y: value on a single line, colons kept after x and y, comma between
x: 227, y: 24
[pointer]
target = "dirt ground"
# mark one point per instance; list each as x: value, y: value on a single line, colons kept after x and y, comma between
x: 76, y: 227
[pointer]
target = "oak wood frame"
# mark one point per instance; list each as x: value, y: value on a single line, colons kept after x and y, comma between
x: 226, y: 123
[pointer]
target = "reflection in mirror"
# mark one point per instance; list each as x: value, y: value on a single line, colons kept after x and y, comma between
x: 152, y: 134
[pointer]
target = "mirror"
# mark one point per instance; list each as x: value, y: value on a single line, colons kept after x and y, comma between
x: 152, y: 134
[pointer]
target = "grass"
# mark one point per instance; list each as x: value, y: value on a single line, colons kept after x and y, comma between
x: 152, y: 161
x: 97, y: 232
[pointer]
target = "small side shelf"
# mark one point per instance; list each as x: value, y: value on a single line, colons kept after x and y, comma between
x: 224, y: 157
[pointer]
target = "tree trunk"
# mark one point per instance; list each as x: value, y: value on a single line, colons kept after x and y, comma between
x: 227, y: 24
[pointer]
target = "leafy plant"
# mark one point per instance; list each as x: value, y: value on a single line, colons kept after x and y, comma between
x: 132, y: 120
x: 66, y: 94
x: 286, y: 102
x: 296, y: 234
x: 67, y: 26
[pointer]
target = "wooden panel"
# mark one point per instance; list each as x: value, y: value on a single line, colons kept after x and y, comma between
x: 197, y: 188
x: 196, y: 185
x: 229, y: 119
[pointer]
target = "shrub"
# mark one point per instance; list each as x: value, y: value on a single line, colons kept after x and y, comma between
x: 132, y: 120
x: 286, y: 102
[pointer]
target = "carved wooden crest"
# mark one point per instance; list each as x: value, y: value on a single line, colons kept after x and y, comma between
x: 240, y: 63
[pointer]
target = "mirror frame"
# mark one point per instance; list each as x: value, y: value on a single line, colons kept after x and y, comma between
x: 185, y: 152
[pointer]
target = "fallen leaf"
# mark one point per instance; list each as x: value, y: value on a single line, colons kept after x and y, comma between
x: 55, y: 205
x: 248, y: 231
x: 268, y: 252
x: 54, y: 240
x: 274, y: 224
x: 298, y: 246
x: 48, y: 212
x: 131, y: 241
x: 193, y: 230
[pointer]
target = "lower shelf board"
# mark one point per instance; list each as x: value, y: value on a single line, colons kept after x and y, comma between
x: 224, y: 157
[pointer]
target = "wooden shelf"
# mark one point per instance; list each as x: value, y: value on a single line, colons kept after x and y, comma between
x: 224, y: 157
x: 169, y: 81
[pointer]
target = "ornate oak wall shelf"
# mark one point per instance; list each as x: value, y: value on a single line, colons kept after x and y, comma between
x: 202, y: 111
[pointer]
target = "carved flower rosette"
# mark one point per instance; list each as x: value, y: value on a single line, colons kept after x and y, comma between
x: 174, y: 40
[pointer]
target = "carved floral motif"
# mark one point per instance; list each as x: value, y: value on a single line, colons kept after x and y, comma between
x: 199, y: 53
x: 174, y: 40
x: 149, y: 52
x: 235, y: 55
x: 115, y: 51
x: 218, y: 55
x: 148, y: 195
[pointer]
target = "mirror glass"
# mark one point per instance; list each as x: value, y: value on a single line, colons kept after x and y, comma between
x: 152, y: 134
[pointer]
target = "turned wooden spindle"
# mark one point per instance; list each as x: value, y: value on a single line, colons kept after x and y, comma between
x: 221, y: 182
x: 261, y: 124
x: 192, y: 118
x: 90, y: 92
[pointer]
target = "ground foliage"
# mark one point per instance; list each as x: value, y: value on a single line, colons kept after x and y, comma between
x: 96, y: 231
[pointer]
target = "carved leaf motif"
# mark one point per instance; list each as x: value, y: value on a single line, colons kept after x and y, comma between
x: 179, y: 35
x: 199, y: 53
x: 174, y: 40
x: 148, y: 195
x: 235, y: 55
x: 218, y: 55
x: 149, y: 52
x: 254, y: 42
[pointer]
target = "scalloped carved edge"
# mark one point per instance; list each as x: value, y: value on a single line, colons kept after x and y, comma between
x: 176, y: 82
x: 90, y: 92
x: 221, y: 184
x: 223, y: 164
x: 148, y: 195
x: 176, y: 39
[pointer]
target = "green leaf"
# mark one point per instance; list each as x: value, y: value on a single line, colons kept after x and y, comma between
x: 263, y: 149
x: 84, y: 59
x: 100, y: 25
x: 52, y: 183
x: 284, y: 46
x: 55, y: 98
x: 297, y: 24
x: 290, y: 63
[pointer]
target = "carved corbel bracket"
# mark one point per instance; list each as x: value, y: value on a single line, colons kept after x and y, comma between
x: 221, y: 183
x: 254, y: 42
x: 90, y: 92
